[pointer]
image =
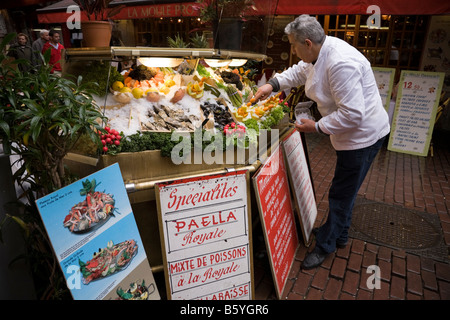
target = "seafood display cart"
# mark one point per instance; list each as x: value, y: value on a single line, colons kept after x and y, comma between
x: 162, y: 90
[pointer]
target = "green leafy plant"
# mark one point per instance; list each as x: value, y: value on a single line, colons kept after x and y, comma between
x: 98, y: 77
x: 98, y: 10
x: 42, y: 116
x: 199, y: 41
x: 177, y: 42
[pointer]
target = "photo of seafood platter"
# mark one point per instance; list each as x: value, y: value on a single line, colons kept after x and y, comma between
x: 113, y: 258
x: 137, y: 290
x: 92, y: 212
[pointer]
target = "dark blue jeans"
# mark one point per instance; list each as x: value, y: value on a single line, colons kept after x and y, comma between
x: 351, y: 169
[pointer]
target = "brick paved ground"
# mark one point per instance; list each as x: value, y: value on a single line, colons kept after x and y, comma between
x: 418, y: 183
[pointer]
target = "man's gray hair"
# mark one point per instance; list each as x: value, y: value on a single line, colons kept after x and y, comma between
x: 306, y: 27
x: 41, y: 33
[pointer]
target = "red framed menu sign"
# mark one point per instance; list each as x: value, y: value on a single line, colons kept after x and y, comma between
x: 205, y: 225
x: 277, y: 216
x: 301, y: 183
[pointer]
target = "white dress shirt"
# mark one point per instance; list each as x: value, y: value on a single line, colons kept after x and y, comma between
x: 342, y: 83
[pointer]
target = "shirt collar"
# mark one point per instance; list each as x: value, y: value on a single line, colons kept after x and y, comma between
x: 321, y: 50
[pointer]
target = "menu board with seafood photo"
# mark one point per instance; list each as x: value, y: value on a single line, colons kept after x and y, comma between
x: 94, y: 235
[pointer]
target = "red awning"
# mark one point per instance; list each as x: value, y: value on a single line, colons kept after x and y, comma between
x: 56, y: 13
x: 167, y: 10
x: 395, y: 7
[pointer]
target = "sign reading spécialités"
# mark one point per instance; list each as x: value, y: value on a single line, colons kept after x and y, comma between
x: 415, y: 111
x: 205, y: 226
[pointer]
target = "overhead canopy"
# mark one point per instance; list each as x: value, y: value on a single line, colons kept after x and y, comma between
x: 142, y: 9
x: 394, y: 7
x: 56, y: 13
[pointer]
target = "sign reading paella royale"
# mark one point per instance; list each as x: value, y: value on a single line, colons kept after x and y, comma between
x: 94, y: 235
x: 205, y: 226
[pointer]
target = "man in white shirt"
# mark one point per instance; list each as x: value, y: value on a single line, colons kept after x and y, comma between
x: 341, y: 81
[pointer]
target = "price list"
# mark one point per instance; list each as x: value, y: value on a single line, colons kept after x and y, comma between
x: 415, y: 112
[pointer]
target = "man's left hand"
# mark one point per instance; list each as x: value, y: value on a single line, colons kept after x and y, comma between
x: 307, y: 125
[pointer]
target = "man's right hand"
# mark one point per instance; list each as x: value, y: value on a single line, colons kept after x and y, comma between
x: 263, y: 92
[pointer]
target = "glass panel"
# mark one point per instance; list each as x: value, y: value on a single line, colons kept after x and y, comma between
x: 340, y: 35
x: 371, y: 56
x: 419, y: 40
x: 393, y: 56
x: 332, y: 23
x: 380, y: 57
x: 421, y: 22
x: 385, y: 21
x: 351, y: 21
x: 404, y: 57
x: 349, y: 36
x: 397, y: 39
x: 362, y: 39
x: 382, y: 39
x: 415, y: 61
x: 398, y: 23
x: 410, y: 22
x: 371, y: 38
x: 321, y: 20
x: 407, y: 38
x: 363, y: 21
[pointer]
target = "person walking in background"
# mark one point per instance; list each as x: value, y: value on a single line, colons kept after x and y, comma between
x: 38, y: 45
x: 341, y: 81
x: 22, y: 50
x: 55, y: 54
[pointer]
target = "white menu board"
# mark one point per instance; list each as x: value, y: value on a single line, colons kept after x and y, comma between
x: 301, y: 183
x: 385, y: 82
x: 206, y: 232
x: 415, y: 111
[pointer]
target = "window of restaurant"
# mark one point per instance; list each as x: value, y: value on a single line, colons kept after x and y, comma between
x: 398, y: 43
x: 160, y: 29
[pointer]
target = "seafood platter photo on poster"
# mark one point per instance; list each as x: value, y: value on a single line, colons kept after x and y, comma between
x: 95, y: 237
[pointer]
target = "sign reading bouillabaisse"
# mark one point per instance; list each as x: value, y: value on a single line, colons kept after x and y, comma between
x: 205, y: 227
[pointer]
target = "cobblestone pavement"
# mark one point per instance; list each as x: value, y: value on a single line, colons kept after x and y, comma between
x: 419, y: 184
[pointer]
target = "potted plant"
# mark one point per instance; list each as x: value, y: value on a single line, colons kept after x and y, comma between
x: 226, y: 18
x: 42, y: 116
x: 97, y: 30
